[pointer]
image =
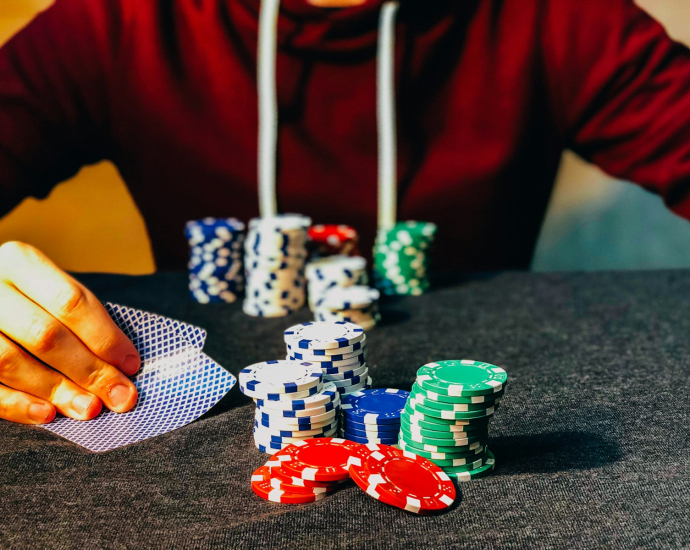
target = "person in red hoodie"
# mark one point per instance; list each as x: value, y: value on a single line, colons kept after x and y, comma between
x: 488, y: 94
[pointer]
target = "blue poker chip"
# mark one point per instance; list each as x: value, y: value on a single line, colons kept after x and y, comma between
x: 329, y: 367
x: 355, y: 347
x: 365, y: 440
x: 383, y: 430
x: 301, y: 426
x: 379, y: 406
x: 279, y: 434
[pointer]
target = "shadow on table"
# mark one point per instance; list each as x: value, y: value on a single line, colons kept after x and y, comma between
x: 553, y: 452
x: 233, y: 399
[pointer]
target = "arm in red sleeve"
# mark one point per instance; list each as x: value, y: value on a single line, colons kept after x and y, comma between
x: 52, y: 98
x: 620, y: 93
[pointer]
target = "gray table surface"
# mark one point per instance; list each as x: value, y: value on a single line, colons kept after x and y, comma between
x: 591, y: 440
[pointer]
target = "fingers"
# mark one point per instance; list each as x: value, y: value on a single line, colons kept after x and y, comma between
x: 37, y: 277
x: 17, y: 406
x: 46, y: 338
x: 21, y: 371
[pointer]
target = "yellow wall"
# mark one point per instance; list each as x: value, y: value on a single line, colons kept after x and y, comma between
x: 91, y: 223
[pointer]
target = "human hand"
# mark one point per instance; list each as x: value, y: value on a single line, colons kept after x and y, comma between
x: 59, y: 348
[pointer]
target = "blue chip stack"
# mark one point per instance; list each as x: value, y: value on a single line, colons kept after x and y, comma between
x: 275, y: 254
x: 215, y: 263
x: 373, y: 416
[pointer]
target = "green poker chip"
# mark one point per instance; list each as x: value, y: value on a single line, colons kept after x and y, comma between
x: 415, y: 416
x: 450, y: 415
x: 444, y: 442
x: 478, y: 454
x: 462, y: 378
x: 435, y: 455
x: 438, y: 431
x: 417, y: 389
x: 445, y: 449
x: 457, y: 407
x: 477, y: 473
x: 478, y: 462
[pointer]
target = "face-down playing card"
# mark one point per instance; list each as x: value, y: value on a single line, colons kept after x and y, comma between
x: 177, y: 384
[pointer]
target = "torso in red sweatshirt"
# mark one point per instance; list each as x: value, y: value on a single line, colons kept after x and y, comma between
x: 489, y: 93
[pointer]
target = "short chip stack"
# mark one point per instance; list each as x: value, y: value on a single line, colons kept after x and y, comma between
x: 334, y: 272
x: 292, y: 403
x: 336, y: 348
x: 275, y: 255
x: 373, y: 416
x: 215, y: 262
x: 354, y: 304
x: 401, y: 258
x: 448, y: 414
x: 329, y: 240
x: 307, y: 471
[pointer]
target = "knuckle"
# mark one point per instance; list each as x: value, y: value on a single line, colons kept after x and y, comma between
x: 44, y: 336
x: 98, y: 378
x: 70, y: 300
x: 9, y: 404
x: 9, y: 361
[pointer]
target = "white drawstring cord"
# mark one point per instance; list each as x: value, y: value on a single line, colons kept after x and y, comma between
x: 268, y: 106
x: 385, y: 110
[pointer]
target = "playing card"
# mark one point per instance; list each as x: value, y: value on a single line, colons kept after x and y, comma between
x: 177, y: 384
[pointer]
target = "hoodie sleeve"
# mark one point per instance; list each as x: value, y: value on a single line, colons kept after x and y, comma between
x: 620, y: 93
x: 52, y: 97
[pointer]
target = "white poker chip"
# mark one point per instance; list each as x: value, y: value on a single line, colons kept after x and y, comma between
x: 351, y: 297
x: 329, y: 394
x: 280, y: 377
x: 323, y: 335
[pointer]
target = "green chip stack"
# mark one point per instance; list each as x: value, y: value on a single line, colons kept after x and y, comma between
x: 401, y: 258
x: 447, y: 417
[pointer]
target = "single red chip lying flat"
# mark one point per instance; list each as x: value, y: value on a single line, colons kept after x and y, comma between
x: 334, y: 239
x: 275, y: 465
x: 261, y: 485
x: 321, y: 459
x: 401, y: 478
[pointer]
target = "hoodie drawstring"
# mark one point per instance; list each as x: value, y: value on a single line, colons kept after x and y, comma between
x: 385, y: 111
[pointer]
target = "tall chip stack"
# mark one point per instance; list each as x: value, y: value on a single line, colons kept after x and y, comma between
x: 215, y: 262
x: 448, y: 415
x: 292, y: 403
x: 338, y: 291
x: 330, y: 240
x: 338, y: 348
x: 401, y: 258
x: 275, y: 255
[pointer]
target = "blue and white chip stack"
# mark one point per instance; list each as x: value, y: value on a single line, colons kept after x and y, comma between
x: 337, y: 348
x: 292, y: 403
x: 337, y: 291
x: 373, y: 416
x: 215, y: 263
x: 275, y: 254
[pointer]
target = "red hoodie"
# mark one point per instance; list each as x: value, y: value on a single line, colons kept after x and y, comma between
x: 489, y: 93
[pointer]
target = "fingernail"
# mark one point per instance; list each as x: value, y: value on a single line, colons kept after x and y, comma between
x: 40, y: 412
x: 130, y: 364
x: 81, y: 403
x: 119, y: 395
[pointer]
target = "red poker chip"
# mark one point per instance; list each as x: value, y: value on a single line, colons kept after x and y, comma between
x: 277, y: 472
x: 321, y: 459
x: 261, y: 485
x: 334, y: 239
x: 401, y: 478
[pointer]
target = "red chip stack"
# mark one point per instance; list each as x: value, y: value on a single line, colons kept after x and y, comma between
x: 329, y: 240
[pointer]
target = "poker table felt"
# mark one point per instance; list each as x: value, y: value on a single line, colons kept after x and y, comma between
x: 591, y: 439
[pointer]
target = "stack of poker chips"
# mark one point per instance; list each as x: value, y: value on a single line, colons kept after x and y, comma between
x: 331, y: 272
x: 215, y: 263
x: 305, y: 471
x: 336, y: 348
x: 329, y: 240
x: 448, y: 415
x: 275, y: 254
x: 355, y: 304
x: 401, y: 258
x: 292, y: 403
x: 373, y: 416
